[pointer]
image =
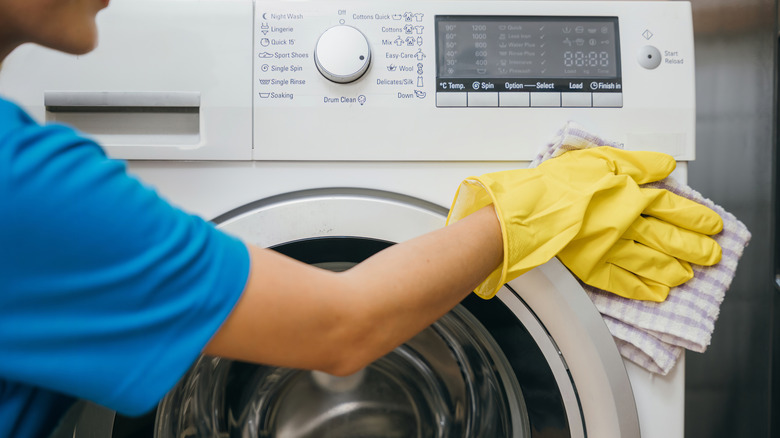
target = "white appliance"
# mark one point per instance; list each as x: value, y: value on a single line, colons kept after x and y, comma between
x: 305, y: 123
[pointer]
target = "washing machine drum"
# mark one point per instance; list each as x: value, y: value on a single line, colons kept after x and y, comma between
x: 440, y: 384
x: 474, y: 373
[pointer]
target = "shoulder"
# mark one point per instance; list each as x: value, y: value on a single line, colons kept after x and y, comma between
x: 18, y: 128
x: 12, y: 117
x: 30, y: 151
x: 43, y: 168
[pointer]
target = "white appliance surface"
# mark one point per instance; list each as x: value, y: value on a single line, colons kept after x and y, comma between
x: 221, y: 103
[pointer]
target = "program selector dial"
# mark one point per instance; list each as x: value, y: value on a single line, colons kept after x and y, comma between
x: 342, y: 54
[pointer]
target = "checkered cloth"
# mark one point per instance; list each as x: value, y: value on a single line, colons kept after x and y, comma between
x: 651, y: 334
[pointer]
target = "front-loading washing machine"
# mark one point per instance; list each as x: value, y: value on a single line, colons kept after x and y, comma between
x: 329, y: 130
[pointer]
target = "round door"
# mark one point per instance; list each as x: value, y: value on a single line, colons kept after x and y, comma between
x: 535, y: 361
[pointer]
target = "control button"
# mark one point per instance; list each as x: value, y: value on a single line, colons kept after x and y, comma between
x: 487, y: 99
x: 576, y: 99
x: 649, y: 57
x: 451, y: 99
x: 546, y: 99
x: 511, y: 98
x: 608, y: 100
x: 342, y: 54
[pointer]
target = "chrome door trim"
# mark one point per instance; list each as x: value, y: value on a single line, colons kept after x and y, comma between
x: 601, y: 394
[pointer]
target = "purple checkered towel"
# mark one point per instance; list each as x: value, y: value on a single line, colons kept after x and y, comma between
x: 651, y: 334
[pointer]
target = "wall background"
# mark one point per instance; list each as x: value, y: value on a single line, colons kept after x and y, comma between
x: 729, y: 387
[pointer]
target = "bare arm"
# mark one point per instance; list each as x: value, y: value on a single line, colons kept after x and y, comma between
x: 292, y: 314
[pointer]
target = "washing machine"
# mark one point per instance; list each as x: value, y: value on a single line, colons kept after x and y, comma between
x: 329, y: 130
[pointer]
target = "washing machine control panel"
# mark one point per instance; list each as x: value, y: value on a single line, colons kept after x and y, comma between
x: 479, y: 61
x: 419, y: 80
x: 383, y: 80
x: 458, y: 61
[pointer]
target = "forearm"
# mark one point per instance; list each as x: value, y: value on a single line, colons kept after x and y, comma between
x: 296, y: 315
x: 422, y: 279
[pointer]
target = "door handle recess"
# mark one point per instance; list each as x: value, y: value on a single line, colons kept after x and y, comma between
x: 122, y: 101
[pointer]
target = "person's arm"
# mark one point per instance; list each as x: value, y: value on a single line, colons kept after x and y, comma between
x: 295, y: 315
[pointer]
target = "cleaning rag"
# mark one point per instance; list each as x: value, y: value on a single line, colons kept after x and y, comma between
x: 650, y: 334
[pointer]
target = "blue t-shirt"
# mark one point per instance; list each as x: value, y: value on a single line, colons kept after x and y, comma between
x: 107, y: 292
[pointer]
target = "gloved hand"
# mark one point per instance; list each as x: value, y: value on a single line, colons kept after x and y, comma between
x: 654, y: 252
x: 591, y: 199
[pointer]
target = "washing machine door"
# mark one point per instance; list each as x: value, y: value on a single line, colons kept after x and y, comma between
x: 536, y: 361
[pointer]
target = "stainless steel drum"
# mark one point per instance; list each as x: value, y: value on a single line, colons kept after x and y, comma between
x: 451, y: 380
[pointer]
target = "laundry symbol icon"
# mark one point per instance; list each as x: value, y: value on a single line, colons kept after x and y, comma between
x: 419, y: 94
x: 265, y: 55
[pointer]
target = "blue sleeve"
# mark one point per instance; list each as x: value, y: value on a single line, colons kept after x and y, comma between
x: 108, y: 292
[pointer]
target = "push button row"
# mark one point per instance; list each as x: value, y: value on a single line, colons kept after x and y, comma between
x: 530, y: 99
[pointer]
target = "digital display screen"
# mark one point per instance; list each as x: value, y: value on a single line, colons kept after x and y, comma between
x: 506, y: 53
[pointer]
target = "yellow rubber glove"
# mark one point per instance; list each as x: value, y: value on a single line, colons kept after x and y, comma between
x: 654, y: 252
x: 590, y: 197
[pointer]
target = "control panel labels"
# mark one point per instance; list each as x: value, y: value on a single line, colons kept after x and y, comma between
x: 292, y: 60
x: 557, y: 54
x: 413, y: 57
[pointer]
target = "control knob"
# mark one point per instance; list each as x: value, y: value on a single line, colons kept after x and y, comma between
x: 342, y: 54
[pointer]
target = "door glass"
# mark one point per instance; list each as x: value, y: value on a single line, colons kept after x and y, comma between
x: 443, y: 383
